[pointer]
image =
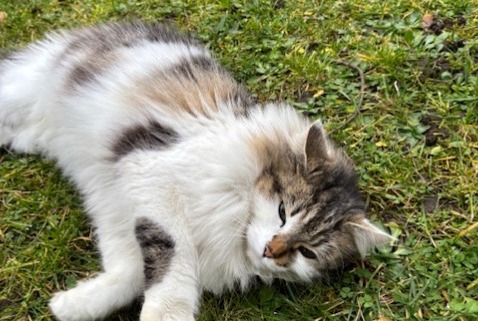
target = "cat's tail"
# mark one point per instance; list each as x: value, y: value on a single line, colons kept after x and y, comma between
x: 23, y: 84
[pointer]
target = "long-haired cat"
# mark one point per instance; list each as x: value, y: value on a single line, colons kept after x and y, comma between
x: 190, y: 184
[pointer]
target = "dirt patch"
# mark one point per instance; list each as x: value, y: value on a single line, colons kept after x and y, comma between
x: 430, y: 203
x: 434, y: 133
x: 436, y: 24
x: 304, y: 96
x: 433, y: 69
x: 453, y: 46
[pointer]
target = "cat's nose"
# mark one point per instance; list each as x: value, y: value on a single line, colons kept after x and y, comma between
x: 276, y: 248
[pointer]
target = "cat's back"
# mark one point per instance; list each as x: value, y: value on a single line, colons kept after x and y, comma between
x: 97, y: 83
x: 149, y: 67
x: 119, y: 53
x: 153, y: 68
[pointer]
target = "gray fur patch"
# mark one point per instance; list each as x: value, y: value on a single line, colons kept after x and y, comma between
x: 94, y: 49
x: 157, y: 247
x: 81, y: 74
x: 189, y: 67
x: 151, y: 136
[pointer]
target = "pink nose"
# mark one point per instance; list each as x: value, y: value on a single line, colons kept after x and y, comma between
x: 276, y: 248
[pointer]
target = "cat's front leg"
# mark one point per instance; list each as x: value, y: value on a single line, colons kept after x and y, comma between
x: 170, y: 268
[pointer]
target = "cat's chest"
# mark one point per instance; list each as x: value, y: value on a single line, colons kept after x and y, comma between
x: 222, y: 262
x: 216, y: 222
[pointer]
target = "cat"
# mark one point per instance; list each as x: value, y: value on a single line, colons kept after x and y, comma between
x: 190, y: 184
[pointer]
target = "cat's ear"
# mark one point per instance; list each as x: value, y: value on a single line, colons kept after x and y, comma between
x: 318, y: 148
x: 366, y: 235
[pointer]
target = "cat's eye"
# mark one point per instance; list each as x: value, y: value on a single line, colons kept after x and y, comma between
x: 282, y: 213
x: 307, y: 253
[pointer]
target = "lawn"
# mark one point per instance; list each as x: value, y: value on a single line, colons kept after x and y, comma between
x: 410, y: 123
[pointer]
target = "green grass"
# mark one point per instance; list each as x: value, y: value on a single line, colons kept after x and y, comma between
x: 415, y: 143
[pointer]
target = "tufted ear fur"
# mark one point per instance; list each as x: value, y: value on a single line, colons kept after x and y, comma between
x: 318, y: 148
x: 366, y: 235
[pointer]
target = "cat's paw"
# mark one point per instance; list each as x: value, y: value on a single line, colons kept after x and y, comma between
x: 80, y: 303
x: 65, y: 307
x: 95, y: 298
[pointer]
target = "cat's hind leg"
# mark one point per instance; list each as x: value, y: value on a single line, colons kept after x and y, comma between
x: 122, y: 280
x: 120, y: 283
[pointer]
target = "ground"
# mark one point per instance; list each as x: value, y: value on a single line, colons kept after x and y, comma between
x: 414, y: 140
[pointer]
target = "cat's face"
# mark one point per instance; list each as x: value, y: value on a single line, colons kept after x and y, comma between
x: 308, y: 216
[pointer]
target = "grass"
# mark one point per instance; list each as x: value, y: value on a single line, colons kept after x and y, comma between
x: 415, y: 143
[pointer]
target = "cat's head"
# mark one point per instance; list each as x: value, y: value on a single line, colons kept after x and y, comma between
x: 308, y: 215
